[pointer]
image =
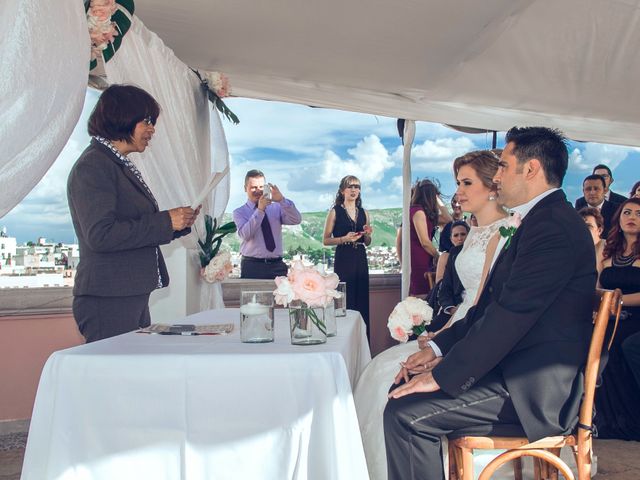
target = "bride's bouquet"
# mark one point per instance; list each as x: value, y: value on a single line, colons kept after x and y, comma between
x: 410, y: 316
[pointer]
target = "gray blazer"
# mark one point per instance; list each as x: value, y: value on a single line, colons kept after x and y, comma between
x: 119, y: 228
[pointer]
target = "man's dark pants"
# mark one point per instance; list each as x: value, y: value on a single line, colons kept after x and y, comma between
x: 262, y: 268
x: 414, y: 424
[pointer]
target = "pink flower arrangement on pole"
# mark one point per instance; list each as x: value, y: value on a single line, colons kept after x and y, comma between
x: 218, y: 268
x: 410, y: 316
x: 308, y: 286
x: 102, y: 30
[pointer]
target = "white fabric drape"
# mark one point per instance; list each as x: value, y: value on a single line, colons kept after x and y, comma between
x: 408, y: 136
x: 44, y: 63
x: 178, y: 161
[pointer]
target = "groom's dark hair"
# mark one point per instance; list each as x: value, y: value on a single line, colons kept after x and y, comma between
x: 547, y: 145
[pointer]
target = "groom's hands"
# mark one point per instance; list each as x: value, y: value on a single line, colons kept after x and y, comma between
x: 420, y: 365
x: 419, y: 383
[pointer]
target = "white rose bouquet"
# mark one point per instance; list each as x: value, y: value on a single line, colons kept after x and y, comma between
x: 410, y: 316
x: 215, y: 264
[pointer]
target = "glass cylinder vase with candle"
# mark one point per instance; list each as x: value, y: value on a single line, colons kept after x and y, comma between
x: 341, y: 301
x: 256, y: 316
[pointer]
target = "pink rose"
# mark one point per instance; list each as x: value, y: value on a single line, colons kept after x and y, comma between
x: 515, y: 220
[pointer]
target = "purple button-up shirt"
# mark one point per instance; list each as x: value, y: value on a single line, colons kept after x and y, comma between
x: 248, y: 219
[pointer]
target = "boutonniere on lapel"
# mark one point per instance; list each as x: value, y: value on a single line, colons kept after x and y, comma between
x: 512, y: 225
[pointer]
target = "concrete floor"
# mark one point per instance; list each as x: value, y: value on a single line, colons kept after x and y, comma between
x: 617, y: 460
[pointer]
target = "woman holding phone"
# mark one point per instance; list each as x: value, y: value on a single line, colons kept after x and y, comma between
x: 347, y: 227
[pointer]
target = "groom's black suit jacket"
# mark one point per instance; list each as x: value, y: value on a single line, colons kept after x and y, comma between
x: 532, y: 321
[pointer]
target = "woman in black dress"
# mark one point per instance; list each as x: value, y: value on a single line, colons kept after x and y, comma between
x: 347, y: 227
x: 618, y: 398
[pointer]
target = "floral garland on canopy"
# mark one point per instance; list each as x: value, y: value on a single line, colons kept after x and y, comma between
x: 107, y: 23
x: 216, y: 86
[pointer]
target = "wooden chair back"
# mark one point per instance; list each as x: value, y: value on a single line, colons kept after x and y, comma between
x: 607, y: 304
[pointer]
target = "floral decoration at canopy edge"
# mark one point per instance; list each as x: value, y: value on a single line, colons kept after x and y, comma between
x: 107, y: 23
x: 216, y: 86
x: 410, y: 316
x: 215, y: 264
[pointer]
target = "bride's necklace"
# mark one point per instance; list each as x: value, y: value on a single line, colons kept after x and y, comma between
x: 620, y: 260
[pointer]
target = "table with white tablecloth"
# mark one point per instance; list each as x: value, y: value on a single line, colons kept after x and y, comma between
x: 145, y: 406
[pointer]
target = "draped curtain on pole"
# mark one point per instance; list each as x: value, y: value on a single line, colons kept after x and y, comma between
x: 178, y: 161
x: 44, y: 63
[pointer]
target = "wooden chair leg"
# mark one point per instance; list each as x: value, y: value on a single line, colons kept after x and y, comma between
x: 553, y: 471
x: 536, y: 469
x: 453, y: 465
x: 467, y: 463
x: 517, y: 469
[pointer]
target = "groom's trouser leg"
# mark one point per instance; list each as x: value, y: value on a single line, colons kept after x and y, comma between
x: 414, y: 424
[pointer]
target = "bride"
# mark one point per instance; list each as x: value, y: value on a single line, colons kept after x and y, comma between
x: 476, y: 194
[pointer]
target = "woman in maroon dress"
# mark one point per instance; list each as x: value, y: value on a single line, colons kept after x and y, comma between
x: 426, y: 212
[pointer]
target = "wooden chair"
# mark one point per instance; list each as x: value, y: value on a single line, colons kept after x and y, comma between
x: 547, y: 450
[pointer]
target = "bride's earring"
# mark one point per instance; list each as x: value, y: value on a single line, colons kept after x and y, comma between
x: 492, y: 197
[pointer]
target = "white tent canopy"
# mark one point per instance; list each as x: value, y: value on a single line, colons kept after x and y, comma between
x: 492, y: 64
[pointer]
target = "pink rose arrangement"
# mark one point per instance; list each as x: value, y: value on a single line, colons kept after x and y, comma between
x: 512, y: 225
x: 310, y: 287
x: 102, y: 30
x: 218, y: 268
x: 219, y: 82
x: 410, y: 316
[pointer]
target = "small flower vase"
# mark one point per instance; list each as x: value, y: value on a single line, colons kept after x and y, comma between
x: 330, y: 320
x: 307, y: 324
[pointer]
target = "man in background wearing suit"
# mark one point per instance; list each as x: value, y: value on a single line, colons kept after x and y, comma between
x: 513, y: 364
x: 593, y: 188
x: 609, y: 195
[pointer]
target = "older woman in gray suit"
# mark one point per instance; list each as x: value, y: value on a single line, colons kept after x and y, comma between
x: 117, y: 220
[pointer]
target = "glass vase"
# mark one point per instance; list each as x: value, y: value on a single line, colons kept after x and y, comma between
x: 307, y: 324
x: 330, y: 320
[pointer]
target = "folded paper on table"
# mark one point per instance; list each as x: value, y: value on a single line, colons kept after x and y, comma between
x: 213, y: 181
x: 211, y: 329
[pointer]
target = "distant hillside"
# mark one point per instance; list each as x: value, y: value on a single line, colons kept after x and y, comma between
x: 308, y: 235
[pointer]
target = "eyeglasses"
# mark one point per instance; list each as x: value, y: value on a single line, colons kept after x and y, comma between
x: 149, y: 121
x: 354, y: 185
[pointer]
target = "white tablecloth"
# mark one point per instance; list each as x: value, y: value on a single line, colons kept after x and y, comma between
x: 141, y: 406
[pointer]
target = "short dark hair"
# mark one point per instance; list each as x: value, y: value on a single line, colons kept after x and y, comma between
x: 252, y: 174
x: 595, y: 177
x: 118, y: 111
x: 592, y: 212
x: 460, y: 223
x: 548, y: 145
x: 602, y: 166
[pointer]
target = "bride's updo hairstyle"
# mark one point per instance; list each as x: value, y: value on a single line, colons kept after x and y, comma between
x: 483, y: 162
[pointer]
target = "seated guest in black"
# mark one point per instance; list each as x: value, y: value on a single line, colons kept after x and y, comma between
x: 445, y: 243
x: 593, y: 188
x: 618, y: 398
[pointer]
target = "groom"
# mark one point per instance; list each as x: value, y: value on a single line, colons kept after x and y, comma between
x: 513, y: 364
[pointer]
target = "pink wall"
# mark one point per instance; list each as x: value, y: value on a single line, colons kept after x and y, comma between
x: 26, y: 342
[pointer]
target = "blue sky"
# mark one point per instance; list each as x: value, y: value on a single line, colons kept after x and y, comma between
x: 305, y: 151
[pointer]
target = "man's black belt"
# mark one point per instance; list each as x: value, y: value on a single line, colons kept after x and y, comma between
x: 262, y: 260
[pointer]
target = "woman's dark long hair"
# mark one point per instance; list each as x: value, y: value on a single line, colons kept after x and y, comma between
x: 616, y: 242
x: 344, y: 183
x: 425, y: 195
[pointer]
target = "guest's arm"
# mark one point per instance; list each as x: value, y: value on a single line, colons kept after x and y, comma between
x: 289, y: 214
x: 444, y: 216
x: 442, y: 263
x: 247, y: 221
x: 367, y: 230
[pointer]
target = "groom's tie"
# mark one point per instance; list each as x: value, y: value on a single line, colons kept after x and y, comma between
x: 269, y: 242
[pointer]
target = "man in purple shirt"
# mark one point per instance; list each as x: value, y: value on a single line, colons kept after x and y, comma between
x: 259, y: 223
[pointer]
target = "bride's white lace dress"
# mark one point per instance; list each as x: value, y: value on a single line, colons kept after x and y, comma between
x: 371, y: 391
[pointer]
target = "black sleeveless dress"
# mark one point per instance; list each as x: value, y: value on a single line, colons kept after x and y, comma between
x: 617, y: 400
x: 350, y: 262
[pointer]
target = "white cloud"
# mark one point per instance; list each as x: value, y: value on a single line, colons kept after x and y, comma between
x: 583, y: 160
x: 437, y: 156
